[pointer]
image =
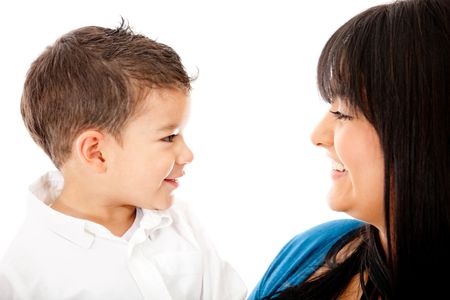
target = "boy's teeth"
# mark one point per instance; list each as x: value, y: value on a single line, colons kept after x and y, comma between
x: 338, y: 166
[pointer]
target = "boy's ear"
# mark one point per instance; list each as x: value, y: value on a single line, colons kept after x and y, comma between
x: 88, y: 147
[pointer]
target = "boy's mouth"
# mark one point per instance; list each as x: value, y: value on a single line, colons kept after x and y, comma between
x: 172, y: 181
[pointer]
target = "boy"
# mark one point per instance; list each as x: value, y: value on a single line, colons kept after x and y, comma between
x: 108, y: 107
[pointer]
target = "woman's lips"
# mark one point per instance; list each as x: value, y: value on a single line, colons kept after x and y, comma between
x: 337, y: 169
x: 335, y: 174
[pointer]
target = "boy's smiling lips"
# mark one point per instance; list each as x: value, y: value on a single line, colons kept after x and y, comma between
x: 174, y: 180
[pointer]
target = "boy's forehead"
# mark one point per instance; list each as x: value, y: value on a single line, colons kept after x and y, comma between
x: 155, y: 96
x: 166, y: 109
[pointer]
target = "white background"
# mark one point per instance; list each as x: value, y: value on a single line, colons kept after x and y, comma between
x: 256, y: 179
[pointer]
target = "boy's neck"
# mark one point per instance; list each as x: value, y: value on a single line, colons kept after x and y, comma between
x: 116, y: 218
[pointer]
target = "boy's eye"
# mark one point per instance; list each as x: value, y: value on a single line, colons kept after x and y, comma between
x: 169, y: 138
x: 340, y: 116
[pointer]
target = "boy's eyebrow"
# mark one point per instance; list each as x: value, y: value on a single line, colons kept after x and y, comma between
x: 169, y: 127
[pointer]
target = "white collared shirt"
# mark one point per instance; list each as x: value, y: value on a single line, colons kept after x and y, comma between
x: 165, y: 255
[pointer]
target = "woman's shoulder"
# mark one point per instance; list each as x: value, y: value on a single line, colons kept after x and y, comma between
x: 324, y: 233
x: 302, y: 255
x: 316, y: 242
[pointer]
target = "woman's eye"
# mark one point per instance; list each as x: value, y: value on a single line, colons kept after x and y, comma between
x: 340, y: 116
x: 169, y: 138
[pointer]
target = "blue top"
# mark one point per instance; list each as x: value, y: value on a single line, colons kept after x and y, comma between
x: 301, y: 257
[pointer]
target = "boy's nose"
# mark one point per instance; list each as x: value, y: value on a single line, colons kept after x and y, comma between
x: 186, y: 156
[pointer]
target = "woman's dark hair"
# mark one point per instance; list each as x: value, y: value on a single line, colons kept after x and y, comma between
x: 392, y: 64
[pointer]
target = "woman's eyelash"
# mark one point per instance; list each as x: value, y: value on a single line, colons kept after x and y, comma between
x: 169, y: 138
x: 341, y: 116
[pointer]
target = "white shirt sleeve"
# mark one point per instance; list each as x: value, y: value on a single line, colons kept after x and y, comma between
x: 220, y: 280
x: 11, y: 288
x: 6, y: 289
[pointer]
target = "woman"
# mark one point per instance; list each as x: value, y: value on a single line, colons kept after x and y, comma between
x: 386, y: 75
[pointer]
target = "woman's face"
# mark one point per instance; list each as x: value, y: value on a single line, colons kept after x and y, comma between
x: 357, y: 164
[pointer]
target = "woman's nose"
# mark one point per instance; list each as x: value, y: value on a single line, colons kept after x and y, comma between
x: 322, y: 135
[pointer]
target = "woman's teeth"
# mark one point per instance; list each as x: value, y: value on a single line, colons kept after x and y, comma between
x: 338, y: 166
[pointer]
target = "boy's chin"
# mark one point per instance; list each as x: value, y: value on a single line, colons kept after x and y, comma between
x: 160, y: 205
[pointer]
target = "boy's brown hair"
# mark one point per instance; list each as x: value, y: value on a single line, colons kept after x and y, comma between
x: 94, y: 78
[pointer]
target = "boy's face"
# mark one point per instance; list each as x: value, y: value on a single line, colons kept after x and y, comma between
x: 143, y: 170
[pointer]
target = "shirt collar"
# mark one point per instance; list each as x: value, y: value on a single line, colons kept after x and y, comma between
x: 82, y: 232
x: 152, y: 220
